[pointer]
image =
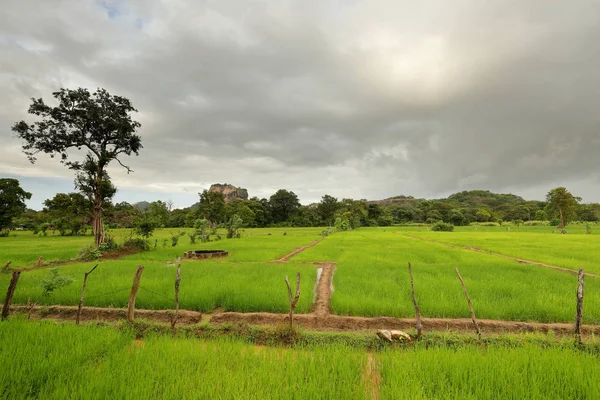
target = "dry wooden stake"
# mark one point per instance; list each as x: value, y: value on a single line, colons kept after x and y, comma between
x: 470, y: 304
x: 579, y: 305
x: 414, y: 299
x: 85, y: 276
x: 30, y: 307
x: 6, y: 267
x: 134, y: 290
x: 177, y: 280
x: 9, y: 293
x: 293, y: 300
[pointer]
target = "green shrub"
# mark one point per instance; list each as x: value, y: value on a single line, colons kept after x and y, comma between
x: 442, y: 227
x: 137, y: 244
x: 536, y: 223
x: 53, y: 282
x: 554, y: 222
x: 89, y: 253
x: 145, y: 228
x: 4, y: 233
x: 108, y: 245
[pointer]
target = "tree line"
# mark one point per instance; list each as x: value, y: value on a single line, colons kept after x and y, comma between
x: 72, y: 213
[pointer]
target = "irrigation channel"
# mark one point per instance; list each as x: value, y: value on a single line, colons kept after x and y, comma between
x: 320, y: 318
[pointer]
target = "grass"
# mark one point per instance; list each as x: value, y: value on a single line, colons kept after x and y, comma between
x: 494, y: 372
x: 570, y: 251
x: 260, y: 244
x: 205, y: 285
x: 55, y: 361
x: 371, y: 279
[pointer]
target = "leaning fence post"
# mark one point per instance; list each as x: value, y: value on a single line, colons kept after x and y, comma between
x: 134, y: 290
x: 579, y: 305
x: 9, y: 293
x: 414, y: 299
x: 469, y: 302
x: 177, y: 280
x: 85, y: 276
x: 293, y: 300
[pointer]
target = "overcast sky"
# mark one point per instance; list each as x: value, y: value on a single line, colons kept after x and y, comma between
x: 361, y: 99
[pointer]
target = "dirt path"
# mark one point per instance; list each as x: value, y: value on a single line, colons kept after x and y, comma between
x: 519, y: 260
x: 321, y: 306
x: 108, y: 314
x: 372, y: 378
x: 308, y: 321
x: 298, y: 250
x: 345, y: 323
x: 53, y: 264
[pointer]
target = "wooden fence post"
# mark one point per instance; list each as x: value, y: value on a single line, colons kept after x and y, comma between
x: 85, y: 276
x: 9, y: 293
x: 414, y: 299
x: 470, y: 304
x: 579, y: 306
x: 134, y: 290
x: 293, y: 300
x: 177, y: 280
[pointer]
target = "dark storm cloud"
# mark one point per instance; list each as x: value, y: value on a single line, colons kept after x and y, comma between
x: 360, y: 99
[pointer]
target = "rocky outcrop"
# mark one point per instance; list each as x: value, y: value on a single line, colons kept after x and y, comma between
x: 230, y: 192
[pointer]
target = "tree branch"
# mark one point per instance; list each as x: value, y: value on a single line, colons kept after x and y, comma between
x: 129, y: 170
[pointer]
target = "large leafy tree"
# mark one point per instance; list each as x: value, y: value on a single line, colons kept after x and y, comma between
x: 99, y: 124
x: 69, y: 211
x: 563, y: 204
x: 12, y: 201
x: 326, y: 209
x: 158, y: 211
x: 211, y: 206
x: 284, y: 204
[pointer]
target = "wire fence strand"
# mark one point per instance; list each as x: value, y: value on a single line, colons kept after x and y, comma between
x: 107, y: 293
x: 158, y: 294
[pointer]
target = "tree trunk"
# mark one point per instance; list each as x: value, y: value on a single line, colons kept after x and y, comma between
x: 98, y: 224
x: 562, y: 218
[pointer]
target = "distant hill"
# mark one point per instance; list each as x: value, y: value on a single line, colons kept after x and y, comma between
x: 141, y: 205
x: 230, y: 192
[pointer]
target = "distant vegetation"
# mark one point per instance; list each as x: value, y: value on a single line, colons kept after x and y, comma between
x: 71, y: 214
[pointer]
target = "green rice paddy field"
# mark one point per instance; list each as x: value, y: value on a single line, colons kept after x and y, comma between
x: 47, y: 360
x: 371, y: 277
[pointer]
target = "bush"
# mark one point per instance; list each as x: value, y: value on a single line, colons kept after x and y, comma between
x: 137, y: 244
x: 145, y: 228
x: 442, y: 227
x: 175, y: 238
x: 536, y: 223
x: 108, y: 245
x: 89, y: 253
x: 554, y: 222
x: 4, y: 233
x: 54, y: 281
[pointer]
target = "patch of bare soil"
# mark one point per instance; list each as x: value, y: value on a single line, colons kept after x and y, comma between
x: 108, y: 314
x: 298, y: 250
x: 321, y: 305
x: 519, y: 260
